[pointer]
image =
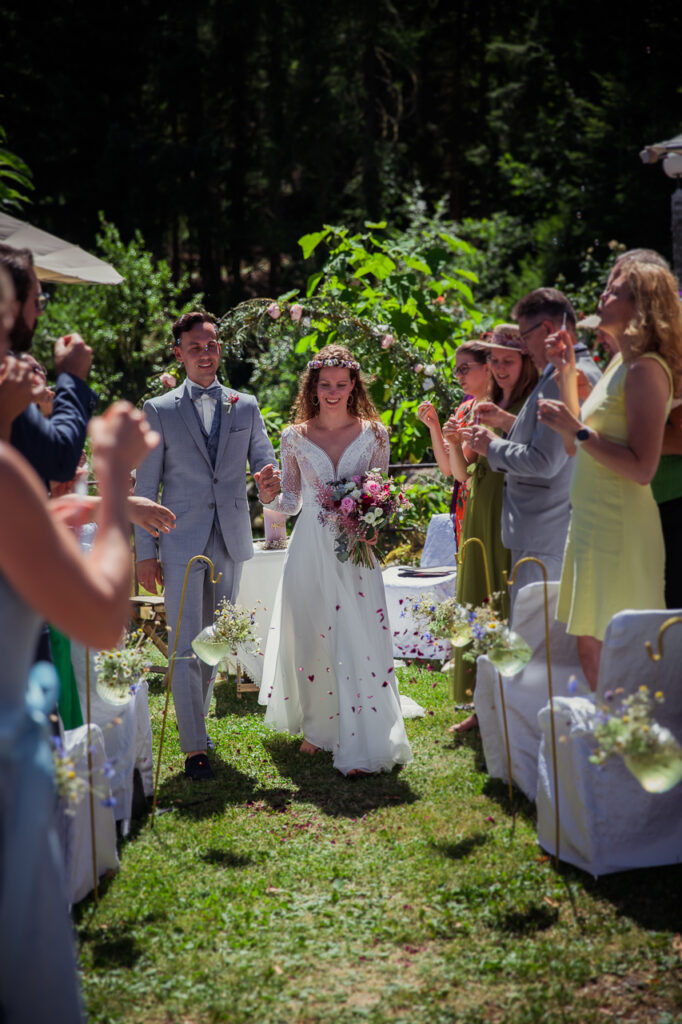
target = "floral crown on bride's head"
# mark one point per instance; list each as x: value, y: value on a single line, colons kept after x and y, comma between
x: 349, y: 364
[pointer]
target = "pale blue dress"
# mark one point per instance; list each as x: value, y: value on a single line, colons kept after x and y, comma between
x: 38, y: 979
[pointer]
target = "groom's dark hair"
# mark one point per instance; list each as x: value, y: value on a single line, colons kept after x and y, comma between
x: 187, y: 321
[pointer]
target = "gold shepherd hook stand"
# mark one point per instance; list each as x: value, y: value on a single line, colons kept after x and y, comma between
x: 171, y: 666
x: 91, y: 796
x: 510, y: 580
x: 460, y: 558
x: 659, y: 641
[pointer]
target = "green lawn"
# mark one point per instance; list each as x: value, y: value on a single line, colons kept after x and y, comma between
x: 285, y: 893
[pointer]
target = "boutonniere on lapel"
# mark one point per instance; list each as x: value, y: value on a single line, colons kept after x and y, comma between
x: 229, y: 402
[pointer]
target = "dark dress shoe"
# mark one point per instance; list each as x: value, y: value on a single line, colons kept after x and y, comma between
x: 198, y: 767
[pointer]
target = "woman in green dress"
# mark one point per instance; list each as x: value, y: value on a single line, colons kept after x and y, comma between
x: 513, y: 377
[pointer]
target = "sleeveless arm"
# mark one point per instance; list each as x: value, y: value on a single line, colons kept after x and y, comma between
x: 380, y: 450
x: 289, y: 501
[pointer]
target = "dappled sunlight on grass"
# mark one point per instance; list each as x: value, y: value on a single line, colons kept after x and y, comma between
x: 282, y: 892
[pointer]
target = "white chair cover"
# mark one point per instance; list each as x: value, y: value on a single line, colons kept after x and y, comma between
x: 440, y: 546
x: 440, y: 549
x: 608, y: 822
x: 525, y: 693
x: 74, y: 829
x: 128, y: 742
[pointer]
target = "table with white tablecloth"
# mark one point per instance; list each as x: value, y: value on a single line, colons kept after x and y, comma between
x: 257, y: 591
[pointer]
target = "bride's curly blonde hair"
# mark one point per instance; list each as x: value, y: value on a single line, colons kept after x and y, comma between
x: 307, y: 405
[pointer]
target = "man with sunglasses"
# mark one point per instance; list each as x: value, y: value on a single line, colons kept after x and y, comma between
x: 53, y: 446
x: 535, y: 508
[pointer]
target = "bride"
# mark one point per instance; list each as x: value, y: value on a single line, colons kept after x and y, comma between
x: 328, y: 669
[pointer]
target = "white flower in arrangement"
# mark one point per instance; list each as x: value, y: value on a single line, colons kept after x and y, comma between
x: 373, y: 517
x: 430, y: 370
x: 233, y: 627
x: 428, y: 384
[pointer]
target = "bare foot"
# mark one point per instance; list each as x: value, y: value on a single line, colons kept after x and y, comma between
x: 356, y: 773
x: 308, y: 748
x: 466, y: 726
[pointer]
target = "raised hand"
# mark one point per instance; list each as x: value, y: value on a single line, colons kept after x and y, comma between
x: 478, y: 438
x: 428, y: 415
x: 559, y: 350
x: 72, y: 355
x: 452, y: 430
x: 16, y: 391
x: 490, y: 415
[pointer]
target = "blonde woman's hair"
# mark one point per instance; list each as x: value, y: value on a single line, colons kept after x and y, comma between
x: 657, y: 323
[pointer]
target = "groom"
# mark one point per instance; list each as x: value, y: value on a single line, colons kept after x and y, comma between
x: 208, y: 433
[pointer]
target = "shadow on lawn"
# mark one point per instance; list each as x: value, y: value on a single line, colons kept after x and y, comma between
x: 227, y: 702
x: 458, y: 851
x: 204, y: 799
x: 652, y: 897
x: 318, y: 782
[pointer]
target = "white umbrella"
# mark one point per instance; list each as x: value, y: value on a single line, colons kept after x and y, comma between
x: 55, y: 259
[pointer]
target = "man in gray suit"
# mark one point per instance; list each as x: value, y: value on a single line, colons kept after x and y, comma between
x: 208, y: 432
x: 535, y: 508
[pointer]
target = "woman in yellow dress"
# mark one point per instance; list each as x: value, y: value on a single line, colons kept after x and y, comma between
x: 614, y: 557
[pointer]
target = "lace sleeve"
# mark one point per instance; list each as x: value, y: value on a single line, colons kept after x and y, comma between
x: 289, y: 501
x: 381, y: 450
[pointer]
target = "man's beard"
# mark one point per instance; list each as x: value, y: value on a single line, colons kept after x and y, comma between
x: 21, y: 335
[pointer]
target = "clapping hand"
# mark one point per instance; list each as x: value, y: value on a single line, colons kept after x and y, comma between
x: 16, y: 391
x: 267, y: 482
x: 72, y: 355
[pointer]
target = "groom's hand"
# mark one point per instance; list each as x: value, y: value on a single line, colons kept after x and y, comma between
x: 267, y: 482
x: 149, y: 574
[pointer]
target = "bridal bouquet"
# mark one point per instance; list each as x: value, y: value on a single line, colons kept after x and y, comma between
x: 481, y: 630
x: 650, y: 752
x: 233, y: 627
x: 359, y: 511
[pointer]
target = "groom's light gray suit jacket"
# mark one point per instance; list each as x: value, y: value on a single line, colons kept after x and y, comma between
x: 194, y: 490
x: 535, y: 508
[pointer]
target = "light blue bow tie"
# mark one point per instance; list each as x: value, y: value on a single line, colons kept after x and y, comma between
x: 215, y: 391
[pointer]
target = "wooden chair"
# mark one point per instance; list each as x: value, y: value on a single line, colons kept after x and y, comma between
x: 148, y: 612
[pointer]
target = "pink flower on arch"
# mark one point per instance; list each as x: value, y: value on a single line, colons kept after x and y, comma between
x: 274, y: 311
x: 296, y: 312
x: 387, y: 341
x: 168, y: 380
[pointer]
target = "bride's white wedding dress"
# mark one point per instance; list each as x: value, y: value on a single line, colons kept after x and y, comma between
x: 328, y: 667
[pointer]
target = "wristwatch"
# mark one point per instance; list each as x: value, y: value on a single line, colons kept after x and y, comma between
x: 582, y: 435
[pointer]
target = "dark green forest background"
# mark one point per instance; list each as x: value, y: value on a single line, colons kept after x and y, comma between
x: 224, y: 131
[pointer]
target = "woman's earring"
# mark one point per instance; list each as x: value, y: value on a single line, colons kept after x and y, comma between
x: 316, y: 400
